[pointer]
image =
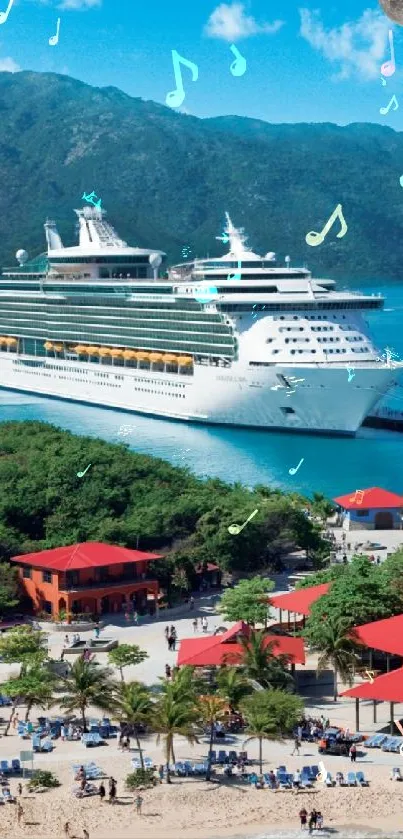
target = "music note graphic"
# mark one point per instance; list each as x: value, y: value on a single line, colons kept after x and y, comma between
x: 4, y: 15
x: 234, y: 529
x: 350, y: 374
x: 176, y: 97
x: 294, y: 469
x: 238, y: 67
x: 370, y: 674
x: 383, y: 81
x: 389, y: 67
x: 354, y: 499
x: 387, y: 109
x: 55, y: 38
x: 237, y: 275
x: 313, y: 238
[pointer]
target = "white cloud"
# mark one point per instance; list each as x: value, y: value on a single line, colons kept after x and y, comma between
x: 79, y: 4
x: 230, y: 23
x: 8, y: 65
x: 357, y: 46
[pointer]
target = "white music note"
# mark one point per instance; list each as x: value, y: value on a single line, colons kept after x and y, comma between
x: 294, y: 469
x: 55, y: 38
x: 176, y: 97
x: 238, y: 67
x: 313, y: 238
x: 389, y: 67
x: 387, y: 109
x: 4, y: 15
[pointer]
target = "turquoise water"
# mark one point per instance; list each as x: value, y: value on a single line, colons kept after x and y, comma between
x: 331, y: 465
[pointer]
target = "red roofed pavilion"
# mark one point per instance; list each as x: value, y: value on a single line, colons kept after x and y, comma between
x: 385, y: 635
x: 225, y: 649
x: 371, y: 509
x: 88, y: 577
x: 386, y: 688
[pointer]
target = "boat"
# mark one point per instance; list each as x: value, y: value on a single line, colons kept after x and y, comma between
x: 233, y: 340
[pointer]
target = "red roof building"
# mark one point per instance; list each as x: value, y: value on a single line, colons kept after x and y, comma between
x: 225, y: 649
x: 300, y: 600
x: 371, y: 509
x: 385, y: 635
x: 88, y: 577
x: 385, y: 688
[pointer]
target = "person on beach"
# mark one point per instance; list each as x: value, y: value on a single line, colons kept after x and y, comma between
x: 86, y: 835
x: 204, y: 623
x: 136, y: 618
x: 303, y: 817
x: 112, y: 790
x: 312, y: 820
x: 296, y: 746
x: 139, y: 802
x: 161, y: 773
x: 16, y: 721
x: 195, y: 625
x: 67, y: 830
x: 19, y: 789
x: 353, y: 753
x: 102, y: 791
x: 167, y: 633
x: 319, y: 820
x: 168, y: 671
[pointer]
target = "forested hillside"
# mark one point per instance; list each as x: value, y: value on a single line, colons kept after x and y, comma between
x: 167, y: 178
x: 136, y: 500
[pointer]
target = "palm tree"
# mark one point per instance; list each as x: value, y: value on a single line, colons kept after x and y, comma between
x: 35, y: 684
x: 183, y: 684
x: 87, y: 684
x: 336, y: 649
x: 210, y: 710
x: 173, y: 715
x: 232, y: 685
x: 134, y: 705
x: 259, y: 662
x: 269, y: 714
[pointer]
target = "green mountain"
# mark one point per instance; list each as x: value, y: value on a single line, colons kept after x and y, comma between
x: 167, y: 178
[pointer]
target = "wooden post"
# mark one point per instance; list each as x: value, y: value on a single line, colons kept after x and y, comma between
x: 374, y: 710
x: 295, y: 623
x: 387, y: 662
x: 392, y: 721
x: 281, y: 616
x: 357, y: 714
x: 371, y: 659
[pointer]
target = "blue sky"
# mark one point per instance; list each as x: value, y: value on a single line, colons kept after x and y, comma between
x: 307, y: 60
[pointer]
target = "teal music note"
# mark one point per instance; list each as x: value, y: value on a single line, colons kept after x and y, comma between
x: 176, y: 97
x: 4, y: 15
x: 81, y: 474
x: 294, y: 469
x: 238, y: 67
x: 386, y: 110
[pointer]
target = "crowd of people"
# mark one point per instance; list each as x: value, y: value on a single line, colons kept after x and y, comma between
x: 314, y: 821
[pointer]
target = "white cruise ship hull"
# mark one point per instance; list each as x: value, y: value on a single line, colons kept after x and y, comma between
x: 325, y: 402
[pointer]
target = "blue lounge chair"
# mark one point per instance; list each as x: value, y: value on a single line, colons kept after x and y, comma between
x: 351, y: 779
x: 104, y: 731
x: 91, y: 739
x: 376, y: 741
x: 306, y: 780
x: 199, y: 768
x: 314, y: 772
x: 222, y: 757
x: 16, y: 766
x: 188, y: 766
x: 4, y: 767
x: 213, y: 757
x: 284, y: 780
x: 386, y: 745
x: 180, y: 769
x: 329, y: 780
x: 36, y: 743
x: 253, y: 778
x: 270, y: 782
x: 396, y: 745
x: 281, y: 769
x: 232, y: 757
x: 361, y: 779
x: 396, y: 774
x: 7, y: 795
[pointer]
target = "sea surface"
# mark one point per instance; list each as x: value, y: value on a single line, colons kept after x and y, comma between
x: 331, y: 465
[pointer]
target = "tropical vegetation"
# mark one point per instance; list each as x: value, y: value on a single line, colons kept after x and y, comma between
x: 125, y: 655
x: 87, y: 683
x: 270, y: 714
x: 248, y: 601
x: 133, y: 706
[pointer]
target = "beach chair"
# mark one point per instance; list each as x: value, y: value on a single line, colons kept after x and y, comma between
x: 351, y: 779
x: 283, y: 780
x: 232, y: 757
x: 396, y: 774
x: 213, y: 757
x: 222, y: 757
x: 396, y: 745
x: 199, y: 768
x: 376, y: 741
x: 188, y: 766
x: 4, y: 767
x: 314, y: 771
x: 270, y: 782
x: 340, y: 779
x: 16, y: 766
x: 7, y: 795
x: 281, y: 769
x: 329, y: 782
x: 386, y: 745
x: 46, y: 746
x: 306, y: 780
x: 180, y: 769
x: 104, y: 731
x: 253, y: 778
x: 91, y: 739
x: 244, y: 756
x: 361, y: 779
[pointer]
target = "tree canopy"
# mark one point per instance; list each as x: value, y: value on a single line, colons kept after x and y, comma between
x: 247, y: 601
x: 8, y: 587
x: 125, y: 655
x: 23, y: 645
x: 139, y: 501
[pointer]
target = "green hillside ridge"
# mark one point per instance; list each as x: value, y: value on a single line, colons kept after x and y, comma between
x: 167, y: 178
x: 139, y: 501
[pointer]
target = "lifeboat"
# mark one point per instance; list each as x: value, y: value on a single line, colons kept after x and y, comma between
x: 183, y: 360
x: 58, y: 347
x: 169, y: 359
x: 48, y: 344
x: 129, y: 354
x: 143, y: 356
x: 155, y: 356
x: 116, y: 353
x: 92, y: 350
x: 11, y: 341
x: 103, y: 351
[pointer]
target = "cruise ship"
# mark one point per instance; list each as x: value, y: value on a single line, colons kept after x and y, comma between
x: 234, y: 340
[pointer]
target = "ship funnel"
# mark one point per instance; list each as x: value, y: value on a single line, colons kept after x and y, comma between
x: 52, y: 236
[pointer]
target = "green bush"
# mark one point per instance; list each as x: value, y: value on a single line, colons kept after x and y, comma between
x: 41, y: 778
x: 141, y: 778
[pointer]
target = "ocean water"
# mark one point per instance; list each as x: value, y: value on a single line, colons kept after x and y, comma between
x: 331, y: 465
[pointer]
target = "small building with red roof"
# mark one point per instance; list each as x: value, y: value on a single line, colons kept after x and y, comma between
x: 225, y: 648
x: 371, y: 509
x: 88, y: 577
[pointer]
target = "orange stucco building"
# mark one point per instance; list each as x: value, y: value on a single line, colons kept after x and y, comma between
x: 88, y: 577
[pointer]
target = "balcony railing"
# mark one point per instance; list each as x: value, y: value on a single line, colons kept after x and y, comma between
x: 107, y: 582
